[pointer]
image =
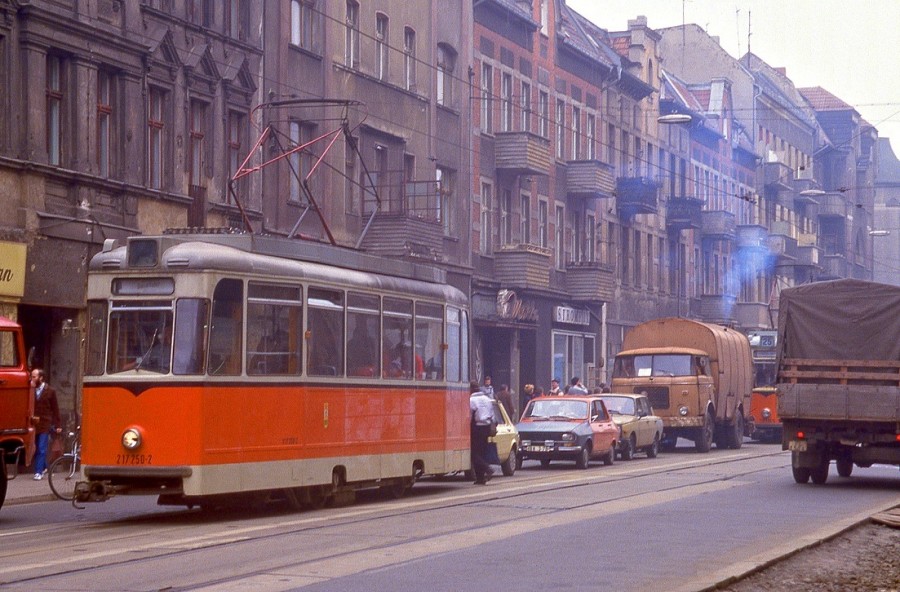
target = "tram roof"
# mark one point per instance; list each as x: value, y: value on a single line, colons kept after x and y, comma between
x: 271, y: 255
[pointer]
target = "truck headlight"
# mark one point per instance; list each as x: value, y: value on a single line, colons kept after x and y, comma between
x: 683, y: 411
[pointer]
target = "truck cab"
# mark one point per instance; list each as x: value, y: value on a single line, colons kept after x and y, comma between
x: 16, y: 404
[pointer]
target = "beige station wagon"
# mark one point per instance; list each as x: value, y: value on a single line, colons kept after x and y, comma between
x: 640, y: 428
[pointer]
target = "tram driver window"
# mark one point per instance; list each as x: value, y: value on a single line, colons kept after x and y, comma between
x: 226, y: 329
x: 325, y: 332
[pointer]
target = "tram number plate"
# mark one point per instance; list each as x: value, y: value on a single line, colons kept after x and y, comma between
x: 538, y: 449
x: 797, y: 445
x: 134, y: 459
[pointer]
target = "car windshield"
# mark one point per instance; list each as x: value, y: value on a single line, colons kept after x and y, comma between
x: 619, y: 405
x: 557, y: 409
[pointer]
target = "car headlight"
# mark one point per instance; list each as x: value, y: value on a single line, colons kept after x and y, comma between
x: 568, y: 437
x: 766, y: 413
x: 683, y: 410
x: 526, y: 442
x: 131, y: 438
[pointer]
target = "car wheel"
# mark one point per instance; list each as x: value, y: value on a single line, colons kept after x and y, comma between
x: 610, y: 457
x: 704, y: 440
x: 628, y: 447
x: 545, y: 462
x: 584, y: 457
x: 509, y: 466
x: 653, y: 449
x: 844, y: 467
x: 819, y: 473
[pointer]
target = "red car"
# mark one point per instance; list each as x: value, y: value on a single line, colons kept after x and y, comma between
x: 567, y: 428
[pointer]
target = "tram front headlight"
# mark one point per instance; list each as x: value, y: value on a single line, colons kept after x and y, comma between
x: 766, y: 413
x: 131, y: 439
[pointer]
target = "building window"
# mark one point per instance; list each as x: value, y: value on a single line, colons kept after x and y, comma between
x: 300, y: 160
x: 409, y: 58
x: 576, y: 133
x: 447, y: 185
x: 590, y: 237
x: 446, y: 65
x: 156, y: 137
x: 526, y: 107
x: 351, y: 187
x: 235, y: 19
x: 104, y: 121
x: 506, y: 102
x: 525, y: 219
x: 200, y: 12
x: 55, y: 98
x: 197, y: 133
x: 545, y: 17
x: 560, y: 237
x: 591, y: 137
x: 381, y: 46
x: 543, y: 223
x: 560, y: 129
x: 304, y: 24
x: 487, y: 110
x: 487, y: 204
x: 506, y: 223
x: 235, y: 135
x: 544, y: 114
x: 351, y: 48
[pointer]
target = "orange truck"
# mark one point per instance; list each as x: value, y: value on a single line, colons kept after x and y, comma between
x: 698, y: 377
x: 16, y: 405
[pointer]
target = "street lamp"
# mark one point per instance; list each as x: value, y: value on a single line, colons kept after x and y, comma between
x: 674, y: 118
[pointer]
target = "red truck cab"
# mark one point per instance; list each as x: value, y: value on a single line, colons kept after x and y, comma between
x: 16, y: 403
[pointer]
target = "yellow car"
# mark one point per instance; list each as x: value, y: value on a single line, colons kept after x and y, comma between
x: 640, y: 429
x: 506, y: 440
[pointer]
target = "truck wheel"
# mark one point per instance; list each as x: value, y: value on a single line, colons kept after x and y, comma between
x: 801, y: 474
x: 819, y: 473
x: 704, y: 439
x: 844, y: 467
x: 736, y: 436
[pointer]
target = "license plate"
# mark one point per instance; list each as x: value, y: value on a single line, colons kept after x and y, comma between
x: 797, y: 445
x: 538, y: 449
x: 134, y: 459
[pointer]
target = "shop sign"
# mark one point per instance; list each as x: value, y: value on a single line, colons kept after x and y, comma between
x: 12, y: 269
x: 572, y: 316
x: 511, y: 308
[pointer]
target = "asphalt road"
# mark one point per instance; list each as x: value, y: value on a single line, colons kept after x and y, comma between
x: 684, y: 521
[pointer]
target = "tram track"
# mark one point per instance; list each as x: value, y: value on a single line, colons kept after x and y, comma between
x: 119, y: 551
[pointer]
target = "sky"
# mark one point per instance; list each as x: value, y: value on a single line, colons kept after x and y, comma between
x: 848, y: 47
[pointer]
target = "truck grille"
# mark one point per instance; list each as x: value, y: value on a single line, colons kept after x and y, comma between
x: 658, y: 395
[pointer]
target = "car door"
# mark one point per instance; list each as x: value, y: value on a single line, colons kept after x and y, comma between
x: 505, y: 431
x: 605, y: 431
x: 644, y: 431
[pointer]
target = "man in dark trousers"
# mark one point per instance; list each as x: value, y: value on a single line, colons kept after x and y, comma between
x: 46, y: 420
x: 482, y: 413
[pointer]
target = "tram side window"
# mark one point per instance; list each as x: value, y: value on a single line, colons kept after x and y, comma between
x: 191, y: 316
x: 396, y: 343
x: 364, y: 335
x: 274, y: 327
x: 96, y: 338
x: 325, y: 332
x: 226, y: 328
x: 454, y: 346
x: 429, y: 340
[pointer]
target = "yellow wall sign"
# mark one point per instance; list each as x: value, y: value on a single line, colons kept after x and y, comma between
x: 12, y: 269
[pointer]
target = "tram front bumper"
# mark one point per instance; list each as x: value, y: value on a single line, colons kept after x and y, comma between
x: 105, y: 481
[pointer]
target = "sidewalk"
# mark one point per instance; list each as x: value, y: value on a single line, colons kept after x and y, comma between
x: 24, y: 489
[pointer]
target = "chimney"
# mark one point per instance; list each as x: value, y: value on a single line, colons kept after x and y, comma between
x: 640, y: 21
x: 782, y: 70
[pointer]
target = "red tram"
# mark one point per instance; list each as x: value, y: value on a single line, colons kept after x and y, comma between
x: 228, y: 367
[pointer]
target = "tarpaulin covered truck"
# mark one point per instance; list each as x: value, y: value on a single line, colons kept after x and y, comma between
x: 839, y: 376
x: 698, y: 377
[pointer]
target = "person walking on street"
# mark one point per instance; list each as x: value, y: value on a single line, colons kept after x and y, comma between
x: 46, y: 420
x: 505, y: 396
x: 487, y: 387
x: 482, y: 408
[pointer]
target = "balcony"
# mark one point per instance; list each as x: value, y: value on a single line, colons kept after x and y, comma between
x: 834, y: 267
x: 778, y: 176
x: 522, y: 153
x: 404, y: 234
x: 752, y: 236
x: 590, y: 281
x: 717, y: 308
x: 752, y: 314
x: 589, y: 178
x: 684, y: 213
x: 832, y: 204
x: 718, y: 225
x: 783, y: 228
x: 523, y: 266
x: 636, y: 195
x: 784, y: 247
x: 808, y: 256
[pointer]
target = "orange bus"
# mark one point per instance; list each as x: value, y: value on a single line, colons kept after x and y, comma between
x: 230, y: 368
x: 16, y: 403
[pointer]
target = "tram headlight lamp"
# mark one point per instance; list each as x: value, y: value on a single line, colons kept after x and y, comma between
x: 131, y: 439
x: 767, y: 413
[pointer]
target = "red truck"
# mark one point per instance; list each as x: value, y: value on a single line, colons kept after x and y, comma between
x: 16, y: 404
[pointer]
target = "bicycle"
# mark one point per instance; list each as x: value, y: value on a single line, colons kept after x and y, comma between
x: 65, y: 471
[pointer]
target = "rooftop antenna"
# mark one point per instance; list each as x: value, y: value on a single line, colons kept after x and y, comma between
x: 749, y: 33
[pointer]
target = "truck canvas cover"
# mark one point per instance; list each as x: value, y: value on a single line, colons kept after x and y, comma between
x: 842, y: 319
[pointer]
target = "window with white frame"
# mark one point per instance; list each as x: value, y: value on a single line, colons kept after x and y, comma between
x: 55, y: 97
x: 156, y: 130
x: 590, y: 237
x: 591, y: 137
x: 506, y: 102
x: 447, y: 183
x: 351, y: 41
x: 446, y: 66
x: 304, y: 24
x: 351, y: 186
x: 576, y: 133
x: 560, y: 237
x: 236, y: 20
x: 487, y: 103
x: 573, y: 354
x: 544, y: 114
x: 381, y: 46
x: 543, y: 223
x: 525, y: 101
x: 560, y: 129
x: 104, y: 121
x: 506, y: 223
x: 487, y: 211
x: 525, y: 218
x: 409, y: 58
